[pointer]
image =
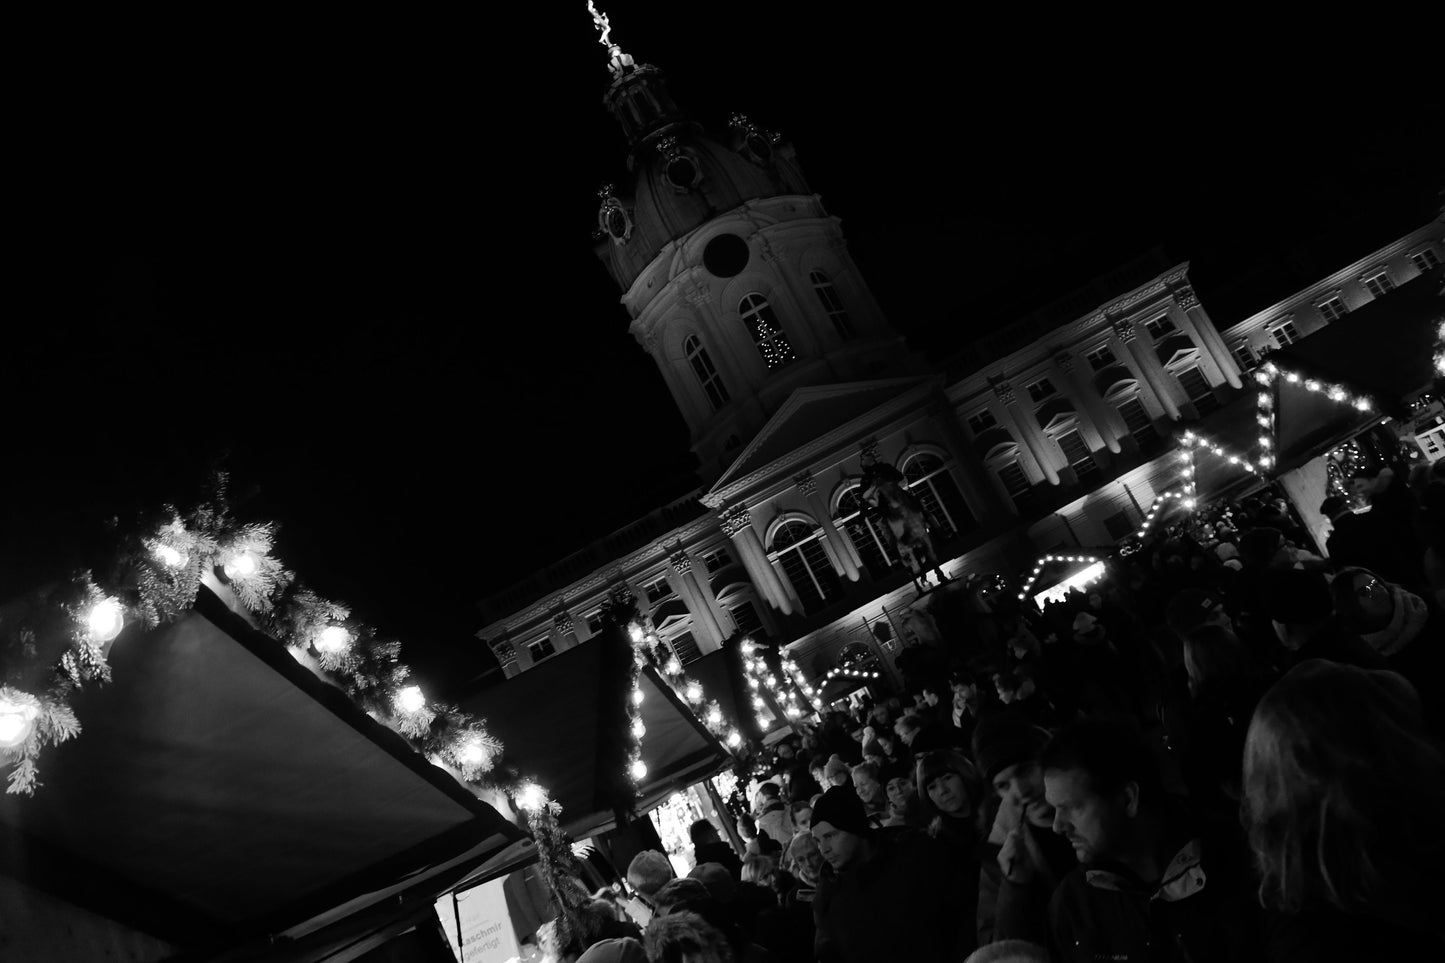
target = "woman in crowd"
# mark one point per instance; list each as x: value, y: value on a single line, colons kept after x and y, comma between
x: 869, y: 789
x: 951, y: 801
x: 1343, y: 793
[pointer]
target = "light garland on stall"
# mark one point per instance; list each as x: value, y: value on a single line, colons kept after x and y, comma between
x: 1268, y: 376
x: 850, y: 674
x: 636, y: 768
x: 795, y: 675
x: 1154, y: 510
x: 1039, y: 567
x: 690, y: 692
x: 759, y: 675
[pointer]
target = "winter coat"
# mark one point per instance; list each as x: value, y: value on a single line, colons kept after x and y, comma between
x: 1202, y: 910
x: 1013, y: 911
x: 902, y: 903
x: 777, y: 823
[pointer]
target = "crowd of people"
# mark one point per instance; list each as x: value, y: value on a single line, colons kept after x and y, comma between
x: 1228, y: 748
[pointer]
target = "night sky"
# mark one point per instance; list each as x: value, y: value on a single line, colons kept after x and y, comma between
x: 351, y: 259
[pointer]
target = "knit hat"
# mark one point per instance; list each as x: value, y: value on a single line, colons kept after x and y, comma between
x: 681, y: 893
x: 626, y: 950
x: 1003, y: 739
x: 1226, y: 551
x: 719, y: 882
x: 1297, y: 597
x: 841, y: 807
x: 837, y: 768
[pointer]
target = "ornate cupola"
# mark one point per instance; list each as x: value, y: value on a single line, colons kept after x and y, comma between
x: 739, y: 283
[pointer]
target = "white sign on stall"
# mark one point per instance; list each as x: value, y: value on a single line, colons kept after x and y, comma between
x: 486, y: 934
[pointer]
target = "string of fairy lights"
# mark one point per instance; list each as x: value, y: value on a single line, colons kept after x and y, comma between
x: 786, y: 692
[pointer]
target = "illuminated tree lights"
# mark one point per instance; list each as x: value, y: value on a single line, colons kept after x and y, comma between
x: 787, y: 693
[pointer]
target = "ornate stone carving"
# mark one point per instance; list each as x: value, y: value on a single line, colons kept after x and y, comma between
x: 564, y: 623
x: 1003, y: 390
x: 681, y: 564
x: 807, y: 484
x: 696, y: 292
x: 505, y: 651
x: 1186, y: 297
x: 734, y: 520
x: 1124, y: 330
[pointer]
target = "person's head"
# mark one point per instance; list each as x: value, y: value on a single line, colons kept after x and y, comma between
x: 703, y: 832
x: 1006, y: 746
x: 1009, y: 951
x: 1213, y: 655
x: 949, y: 785
x: 908, y: 726
x: 818, y: 769
x: 747, y: 827
x: 802, y: 814
x: 762, y: 870
x: 1364, y: 602
x: 624, y: 950
x: 721, y: 885
x: 1342, y: 787
x: 932, y: 695
x: 1298, y: 602
x: 785, y: 750
x: 836, y: 773
x: 1264, y: 548
x: 685, y: 938
x: 887, y: 741
x: 680, y: 895
x: 768, y: 792
x: 648, y: 872
x: 1104, y: 785
x: 1335, y: 507
x: 840, y: 827
x: 1191, y: 607
x: 865, y: 782
x: 897, y: 780
x: 804, y: 859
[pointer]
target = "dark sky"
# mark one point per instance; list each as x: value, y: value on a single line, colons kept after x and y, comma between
x: 353, y: 257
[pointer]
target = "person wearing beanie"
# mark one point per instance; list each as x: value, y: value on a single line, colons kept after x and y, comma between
x: 648, y: 872
x: 836, y: 772
x: 625, y: 950
x: 885, y: 894
x: 1023, y: 859
x: 1302, y: 610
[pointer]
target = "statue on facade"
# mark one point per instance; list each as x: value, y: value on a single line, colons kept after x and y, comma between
x: 885, y: 497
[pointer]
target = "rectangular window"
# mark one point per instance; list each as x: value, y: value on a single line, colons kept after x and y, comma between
x: 1041, y: 389
x: 1332, y: 308
x: 746, y: 616
x: 594, y: 623
x: 1425, y: 260
x: 1016, y: 483
x: 1118, y: 525
x: 717, y: 560
x: 1380, y: 284
x: 541, y: 649
x: 685, y: 648
x: 1198, y: 390
x: 981, y: 421
x: 1076, y: 453
x: 659, y: 590
x: 1140, y: 425
x: 1160, y: 327
x: 1284, y: 334
x: 1244, y: 356
x: 1101, y: 359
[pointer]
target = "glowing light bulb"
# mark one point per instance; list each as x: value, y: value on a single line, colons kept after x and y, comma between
x: 634, y: 631
x: 474, y: 753
x: 105, y: 620
x: 530, y: 798
x: 333, y: 639
x: 638, y: 729
x: 734, y: 739
x: 16, y: 722
x: 752, y: 681
x: 410, y: 699
x: 714, y: 717
x: 694, y: 693
x: 241, y: 566
x: 673, y: 666
x: 772, y: 680
x: 169, y: 557
x: 793, y: 712
x: 639, y: 769
x: 637, y: 697
x: 757, y: 702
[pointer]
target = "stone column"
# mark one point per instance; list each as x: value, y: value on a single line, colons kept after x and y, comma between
x: 842, y: 554
x: 1087, y: 403
x: 1026, y: 429
x: 1215, y: 372
x: 737, y: 524
x: 1149, y: 368
x: 1188, y: 302
x: 709, y: 634
x: 972, y: 476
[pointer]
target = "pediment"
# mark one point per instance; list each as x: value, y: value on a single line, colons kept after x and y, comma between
x: 809, y: 415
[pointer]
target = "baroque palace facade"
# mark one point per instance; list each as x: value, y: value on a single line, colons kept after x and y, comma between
x: 1054, y: 433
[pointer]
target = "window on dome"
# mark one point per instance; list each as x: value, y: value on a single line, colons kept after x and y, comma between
x: 766, y: 332
x: 832, y: 304
x: 798, y: 550
x: 707, y: 375
x: 931, y: 482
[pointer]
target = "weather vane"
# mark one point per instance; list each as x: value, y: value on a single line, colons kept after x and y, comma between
x: 620, y: 61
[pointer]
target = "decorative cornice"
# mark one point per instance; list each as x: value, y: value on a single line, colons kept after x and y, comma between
x: 807, y: 484
x: 1186, y: 297
x: 1124, y: 330
x: 681, y: 564
x: 564, y: 624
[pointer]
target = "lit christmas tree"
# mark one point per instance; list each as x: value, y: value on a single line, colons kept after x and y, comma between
x: 773, y: 344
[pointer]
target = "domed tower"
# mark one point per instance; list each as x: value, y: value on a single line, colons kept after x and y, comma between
x: 739, y: 284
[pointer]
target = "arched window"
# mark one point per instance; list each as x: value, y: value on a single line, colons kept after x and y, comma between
x: 832, y: 304
x: 766, y: 332
x: 866, y: 534
x: 796, y: 546
x: 707, y: 376
x: 931, y: 481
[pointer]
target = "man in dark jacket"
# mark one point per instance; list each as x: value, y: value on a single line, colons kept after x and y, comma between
x: 884, y: 894
x: 1151, y: 885
x: 708, y: 847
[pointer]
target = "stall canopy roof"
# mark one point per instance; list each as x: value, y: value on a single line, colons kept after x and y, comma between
x: 221, y: 793
x: 548, y: 720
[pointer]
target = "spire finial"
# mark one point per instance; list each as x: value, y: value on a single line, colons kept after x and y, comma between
x: 620, y: 61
